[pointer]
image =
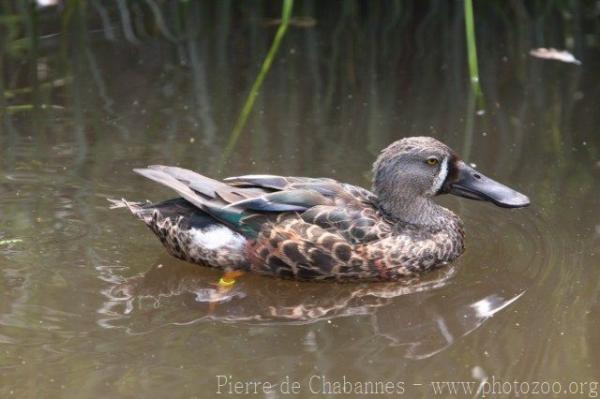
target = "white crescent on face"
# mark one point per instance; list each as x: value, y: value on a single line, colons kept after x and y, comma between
x: 440, y: 178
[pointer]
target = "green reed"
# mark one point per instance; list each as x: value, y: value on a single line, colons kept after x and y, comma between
x: 471, y: 47
x: 266, y: 66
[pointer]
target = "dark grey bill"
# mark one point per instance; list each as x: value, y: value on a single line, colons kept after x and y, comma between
x: 466, y: 182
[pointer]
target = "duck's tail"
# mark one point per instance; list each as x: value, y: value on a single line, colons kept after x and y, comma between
x: 142, y: 210
x: 134, y: 207
x: 189, y: 233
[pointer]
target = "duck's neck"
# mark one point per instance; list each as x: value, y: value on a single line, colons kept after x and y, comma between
x: 417, y: 210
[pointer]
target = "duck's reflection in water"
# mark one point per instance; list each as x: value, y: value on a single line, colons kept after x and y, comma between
x: 417, y: 314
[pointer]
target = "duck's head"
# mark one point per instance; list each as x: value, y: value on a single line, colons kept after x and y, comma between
x: 410, y: 171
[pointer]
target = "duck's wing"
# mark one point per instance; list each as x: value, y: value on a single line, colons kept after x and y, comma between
x: 266, y: 193
x: 243, y: 202
x: 215, y: 191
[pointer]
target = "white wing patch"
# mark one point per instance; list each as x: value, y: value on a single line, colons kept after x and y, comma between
x: 440, y: 178
x: 218, y: 237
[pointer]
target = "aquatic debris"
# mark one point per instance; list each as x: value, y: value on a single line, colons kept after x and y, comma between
x: 45, y: 85
x: 298, y: 22
x: 554, y: 54
x: 12, y: 109
x: 10, y: 241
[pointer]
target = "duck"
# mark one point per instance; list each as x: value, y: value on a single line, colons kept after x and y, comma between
x: 320, y: 229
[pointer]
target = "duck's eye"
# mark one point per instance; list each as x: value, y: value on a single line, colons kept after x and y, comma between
x: 432, y: 161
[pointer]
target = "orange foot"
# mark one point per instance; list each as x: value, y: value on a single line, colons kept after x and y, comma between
x: 226, y: 282
x: 228, y: 279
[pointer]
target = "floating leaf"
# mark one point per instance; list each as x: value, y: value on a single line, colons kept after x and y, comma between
x: 554, y: 54
x: 47, y: 3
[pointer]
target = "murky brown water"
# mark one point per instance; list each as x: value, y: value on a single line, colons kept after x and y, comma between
x: 92, y: 306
